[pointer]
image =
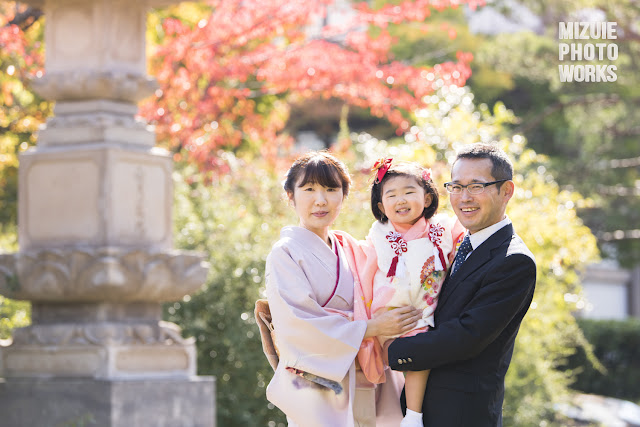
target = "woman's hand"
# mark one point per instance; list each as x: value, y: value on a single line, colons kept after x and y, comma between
x: 396, y: 321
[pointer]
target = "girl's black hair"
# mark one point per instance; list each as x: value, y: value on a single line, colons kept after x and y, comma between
x: 404, y: 169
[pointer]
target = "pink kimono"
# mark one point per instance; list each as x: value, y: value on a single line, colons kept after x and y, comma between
x: 394, y: 271
x: 310, y: 289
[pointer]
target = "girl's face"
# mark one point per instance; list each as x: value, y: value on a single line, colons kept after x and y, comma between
x: 403, y: 200
x: 317, y: 206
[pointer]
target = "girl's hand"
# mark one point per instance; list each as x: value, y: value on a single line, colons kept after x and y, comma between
x: 396, y: 321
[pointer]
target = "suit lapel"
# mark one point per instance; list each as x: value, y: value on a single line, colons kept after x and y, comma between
x: 479, y: 256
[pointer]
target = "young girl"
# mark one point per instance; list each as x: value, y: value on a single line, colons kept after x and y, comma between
x: 406, y: 257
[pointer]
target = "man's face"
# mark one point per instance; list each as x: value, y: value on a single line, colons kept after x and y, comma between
x: 478, y: 211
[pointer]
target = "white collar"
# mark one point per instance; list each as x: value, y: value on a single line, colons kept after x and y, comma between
x: 479, y: 237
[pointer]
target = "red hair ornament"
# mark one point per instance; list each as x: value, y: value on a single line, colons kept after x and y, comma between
x: 381, y: 167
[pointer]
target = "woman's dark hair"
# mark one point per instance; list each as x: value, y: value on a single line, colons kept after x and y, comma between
x: 318, y: 167
x: 404, y: 169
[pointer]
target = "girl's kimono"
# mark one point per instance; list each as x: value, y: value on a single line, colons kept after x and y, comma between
x: 395, y: 271
x: 310, y: 291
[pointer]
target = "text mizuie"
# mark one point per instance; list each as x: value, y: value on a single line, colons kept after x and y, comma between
x: 587, y: 51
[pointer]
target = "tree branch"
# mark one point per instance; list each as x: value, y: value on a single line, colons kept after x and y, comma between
x: 26, y: 19
x: 558, y: 106
x: 618, y: 190
x: 609, y: 236
x: 618, y: 163
x: 617, y: 133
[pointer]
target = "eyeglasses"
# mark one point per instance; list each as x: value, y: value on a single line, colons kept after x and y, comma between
x: 473, y: 188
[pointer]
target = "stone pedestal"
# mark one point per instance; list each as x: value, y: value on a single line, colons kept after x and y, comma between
x: 95, y: 233
x: 69, y: 402
x: 96, y: 312
x: 101, y: 341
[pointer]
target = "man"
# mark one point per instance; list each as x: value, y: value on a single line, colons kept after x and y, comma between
x: 481, y: 304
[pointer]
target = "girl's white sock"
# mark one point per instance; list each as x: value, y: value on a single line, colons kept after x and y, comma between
x: 412, y: 419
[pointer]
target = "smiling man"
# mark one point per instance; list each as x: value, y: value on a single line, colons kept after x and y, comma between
x: 483, y: 300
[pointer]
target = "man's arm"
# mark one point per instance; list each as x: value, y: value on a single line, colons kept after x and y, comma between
x: 503, y: 293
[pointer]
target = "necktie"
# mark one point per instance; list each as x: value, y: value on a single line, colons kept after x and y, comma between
x: 463, y: 251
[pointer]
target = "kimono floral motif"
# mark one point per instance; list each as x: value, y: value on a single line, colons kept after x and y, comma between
x: 430, y: 278
x: 459, y: 242
x: 431, y: 287
x: 366, y: 303
x: 430, y: 282
x: 313, y: 381
x: 428, y: 268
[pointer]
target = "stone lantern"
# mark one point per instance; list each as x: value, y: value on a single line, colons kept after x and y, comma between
x: 95, y: 231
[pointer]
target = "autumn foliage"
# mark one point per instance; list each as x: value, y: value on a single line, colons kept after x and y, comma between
x: 21, y: 111
x: 229, y: 73
x: 228, y: 79
x: 15, y: 21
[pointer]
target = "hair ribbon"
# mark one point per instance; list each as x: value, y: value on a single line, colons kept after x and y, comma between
x: 381, y: 167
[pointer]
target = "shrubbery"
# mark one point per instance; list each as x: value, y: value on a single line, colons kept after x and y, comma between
x: 617, y: 346
x: 234, y: 222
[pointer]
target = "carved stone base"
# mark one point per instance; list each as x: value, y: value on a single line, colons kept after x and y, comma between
x: 100, y: 350
x: 95, y: 84
x: 81, y: 275
x: 117, y: 403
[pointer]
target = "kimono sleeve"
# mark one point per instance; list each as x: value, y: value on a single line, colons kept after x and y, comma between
x: 308, y: 337
x: 364, y: 263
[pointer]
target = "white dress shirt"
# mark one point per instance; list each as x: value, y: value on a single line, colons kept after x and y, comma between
x: 477, y: 238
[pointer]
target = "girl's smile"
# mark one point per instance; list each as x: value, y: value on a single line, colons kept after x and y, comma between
x: 403, y: 200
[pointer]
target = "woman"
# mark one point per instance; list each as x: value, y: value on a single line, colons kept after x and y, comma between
x: 310, y: 291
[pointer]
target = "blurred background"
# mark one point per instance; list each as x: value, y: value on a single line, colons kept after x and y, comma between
x: 245, y: 86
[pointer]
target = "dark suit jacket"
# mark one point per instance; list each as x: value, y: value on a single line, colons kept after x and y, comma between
x: 476, y: 321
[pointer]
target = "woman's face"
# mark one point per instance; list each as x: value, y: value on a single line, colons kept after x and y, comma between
x: 317, y: 206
